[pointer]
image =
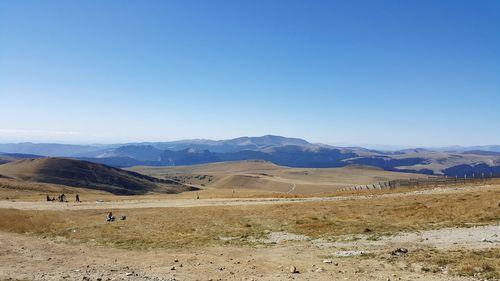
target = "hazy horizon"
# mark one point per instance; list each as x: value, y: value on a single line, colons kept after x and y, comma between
x: 364, y: 145
x: 358, y: 73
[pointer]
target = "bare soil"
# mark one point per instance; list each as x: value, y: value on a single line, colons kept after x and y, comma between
x: 30, y: 258
x: 468, y: 252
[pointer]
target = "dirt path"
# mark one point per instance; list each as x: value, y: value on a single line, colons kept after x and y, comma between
x: 474, y: 237
x: 185, y: 203
x: 28, y: 258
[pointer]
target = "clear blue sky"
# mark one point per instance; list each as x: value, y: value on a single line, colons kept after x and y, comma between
x: 416, y: 73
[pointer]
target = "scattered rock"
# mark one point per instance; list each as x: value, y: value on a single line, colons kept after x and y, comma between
x: 399, y: 252
x: 319, y: 269
x: 293, y: 269
x: 349, y: 253
x: 279, y: 237
x: 327, y: 261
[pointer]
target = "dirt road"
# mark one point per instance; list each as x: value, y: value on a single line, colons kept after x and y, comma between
x: 186, y: 203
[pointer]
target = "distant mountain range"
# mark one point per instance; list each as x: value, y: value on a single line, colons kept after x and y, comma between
x: 293, y: 152
x: 99, y: 150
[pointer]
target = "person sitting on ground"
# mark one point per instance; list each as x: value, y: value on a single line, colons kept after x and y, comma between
x: 110, y: 217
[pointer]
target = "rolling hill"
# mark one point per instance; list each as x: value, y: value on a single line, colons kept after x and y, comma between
x: 266, y: 176
x: 11, y: 157
x: 85, y: 174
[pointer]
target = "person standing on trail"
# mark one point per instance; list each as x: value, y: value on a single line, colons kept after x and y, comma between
x: 77, y: 198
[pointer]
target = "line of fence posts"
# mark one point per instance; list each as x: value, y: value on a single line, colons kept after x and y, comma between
x: 434, y: 181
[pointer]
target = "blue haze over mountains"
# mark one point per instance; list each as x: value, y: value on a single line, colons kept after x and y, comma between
x: 292, y: 152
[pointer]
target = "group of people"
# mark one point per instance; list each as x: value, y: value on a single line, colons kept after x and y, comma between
x: 111, y: 218
x: 62, y: 198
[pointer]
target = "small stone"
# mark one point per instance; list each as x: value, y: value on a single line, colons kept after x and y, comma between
x: 319, y: 269
x: 172, y: 268
x: 327, y: 261
x: 293, y: 269
x: 399, y: 252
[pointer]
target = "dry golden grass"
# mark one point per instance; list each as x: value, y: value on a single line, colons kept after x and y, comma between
x: 186, y: 227
x: 30, y: 191
x: 24, y: 190
x: 265, y: 176
x: 484, y: 264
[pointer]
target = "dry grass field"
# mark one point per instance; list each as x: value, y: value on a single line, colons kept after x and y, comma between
x: 253, y: 233
x: 262, y: 175
x: 174, y: 227
x: 233, y: 228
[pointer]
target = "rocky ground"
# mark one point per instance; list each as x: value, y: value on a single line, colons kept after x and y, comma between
x: 282, y: 256
x: 276, y: 256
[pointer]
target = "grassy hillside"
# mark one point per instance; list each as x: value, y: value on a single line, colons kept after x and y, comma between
x: 262, y: 175
x: 85, y: 174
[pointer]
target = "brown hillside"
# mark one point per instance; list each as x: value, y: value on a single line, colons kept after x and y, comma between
x: 262, y: 175
x: 85, y: 174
